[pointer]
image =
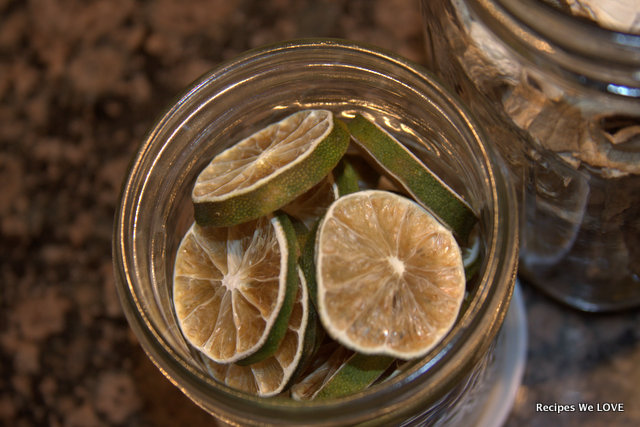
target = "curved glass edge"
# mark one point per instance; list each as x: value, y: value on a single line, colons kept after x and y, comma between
x: 512, y: 349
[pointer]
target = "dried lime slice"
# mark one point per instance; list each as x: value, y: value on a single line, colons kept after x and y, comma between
x: 271, y: 375
x: 330, y: 357
x: 233, y: 287
x: 356, y: 374
x: 269, y: 169
x: 390, y: 276
x: 405, y: 168
x: 340, y: 373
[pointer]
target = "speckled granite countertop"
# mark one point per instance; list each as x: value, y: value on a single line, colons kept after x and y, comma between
x: 80, y: 82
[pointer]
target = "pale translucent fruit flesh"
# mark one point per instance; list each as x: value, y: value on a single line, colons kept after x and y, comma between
x: 403, y: 167
x: 278, y: 330
x: 369, y: 177
x: 262, y: 154
x: 229, y: 286
x: 390, y: 277
x: 269, y: 169
x: 345, y: 180
x: 271, y: 375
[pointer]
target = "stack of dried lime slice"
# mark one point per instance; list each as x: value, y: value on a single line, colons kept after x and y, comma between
x: 297, y: 278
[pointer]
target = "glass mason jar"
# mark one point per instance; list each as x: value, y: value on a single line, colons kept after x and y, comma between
x: 259, y: 88
x: 560, y: 98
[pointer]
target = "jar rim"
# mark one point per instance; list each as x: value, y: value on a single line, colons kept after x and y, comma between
x: 501, y: 264
x: 581, y: 51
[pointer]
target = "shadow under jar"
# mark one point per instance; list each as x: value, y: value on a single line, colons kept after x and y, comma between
x: 559, y: 96
x: 259, y: 88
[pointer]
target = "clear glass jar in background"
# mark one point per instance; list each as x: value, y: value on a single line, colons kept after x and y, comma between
x: 259, y: 88
x: 560, y: 98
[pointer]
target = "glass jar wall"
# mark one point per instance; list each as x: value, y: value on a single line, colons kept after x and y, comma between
x: 560, y: 98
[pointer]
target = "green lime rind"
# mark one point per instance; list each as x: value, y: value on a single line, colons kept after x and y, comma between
x: 281, y: 188
x: 314, y: 333
x: 356, y: 374
x: 308, y: 263
x: 346, y: 178
x: 328, y: 359
x: 302, y: 233
x: 281, y: 323
x: 414, y: 176
x: 368, y: 175
x: 313, y: 337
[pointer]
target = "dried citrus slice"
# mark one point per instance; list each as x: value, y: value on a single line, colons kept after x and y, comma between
x: 342, y: 372
x: 326, y: 363
x: 271, y: 375
x: 233, y: 287
x: 405, y: 168
x: 390, y: 276
x: 357, y: 373
x: 269, y: 169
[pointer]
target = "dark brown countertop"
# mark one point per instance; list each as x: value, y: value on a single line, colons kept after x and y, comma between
x: 80, y: 82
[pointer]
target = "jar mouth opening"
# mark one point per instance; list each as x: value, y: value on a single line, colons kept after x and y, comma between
x: 474, y: 330
x: 602, y: 59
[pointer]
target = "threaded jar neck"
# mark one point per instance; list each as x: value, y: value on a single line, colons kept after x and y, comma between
x: 573, y: 49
